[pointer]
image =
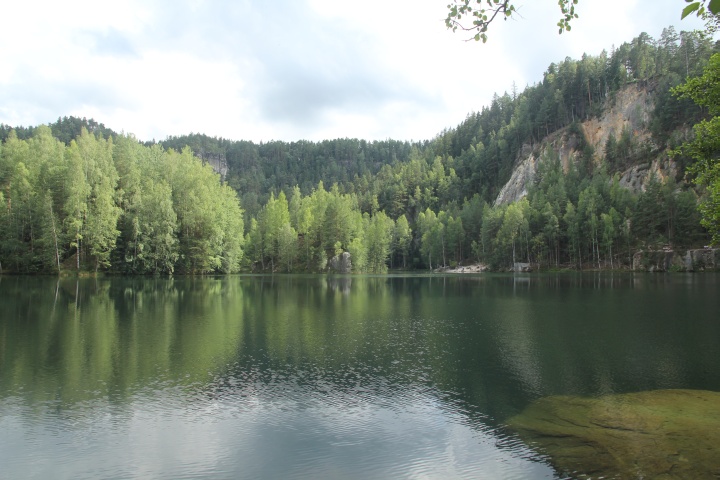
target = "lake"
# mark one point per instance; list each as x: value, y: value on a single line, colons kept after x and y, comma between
x: 329, y: 377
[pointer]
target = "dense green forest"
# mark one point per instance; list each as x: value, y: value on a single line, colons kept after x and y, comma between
x: 113, y: 204
x: 76, y: 195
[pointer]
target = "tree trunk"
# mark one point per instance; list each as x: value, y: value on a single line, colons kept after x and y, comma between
x: 57, y: 253
x: 513, y: 243
x: 580, y: 257
x: 557, y: 254
x: 443, y: 250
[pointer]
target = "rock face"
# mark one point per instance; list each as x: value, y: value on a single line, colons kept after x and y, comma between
x: 217, y: 161
x: 657, y: 434
x: 629, y: 110
x: 522, y: 267
x: 669, y: 260
x: 516, y: 188
x: 340, y: 263
x: 637, y: 177
x: 560, y: 143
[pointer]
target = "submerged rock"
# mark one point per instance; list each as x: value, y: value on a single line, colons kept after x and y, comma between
x: 663, y: 434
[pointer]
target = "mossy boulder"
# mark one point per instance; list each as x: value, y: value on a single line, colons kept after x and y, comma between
x: 663, y: 434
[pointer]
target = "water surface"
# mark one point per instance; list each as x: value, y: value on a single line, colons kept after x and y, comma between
x: 327, y: 377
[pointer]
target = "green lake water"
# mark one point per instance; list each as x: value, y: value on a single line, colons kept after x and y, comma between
x: 328, y: 377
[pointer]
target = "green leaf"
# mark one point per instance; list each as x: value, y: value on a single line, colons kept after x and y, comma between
x: 689, y: 9
x: 714, y: 6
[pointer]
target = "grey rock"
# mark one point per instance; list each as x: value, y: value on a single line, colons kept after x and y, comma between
x: 666, y: 260
x: 521, y: 267
x: 340, y: 263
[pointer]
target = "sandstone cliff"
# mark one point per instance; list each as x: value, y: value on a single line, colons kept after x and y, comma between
x: 217, y: 161
x: 630, y: 109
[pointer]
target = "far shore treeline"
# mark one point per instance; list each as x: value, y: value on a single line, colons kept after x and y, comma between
x: 77, y: 196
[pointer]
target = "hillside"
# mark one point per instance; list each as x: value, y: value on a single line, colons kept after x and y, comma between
x: 629, y: 113
x: 571, y: 172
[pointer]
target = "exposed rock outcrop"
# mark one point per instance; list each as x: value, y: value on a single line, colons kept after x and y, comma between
x: 522, y: 267
x: 340, y: 263
x: 669, y: 260
x: 217, y: 161
x: 630, y: 110
x: 474, y: 268
x: 562, y: 143
x: 637, y: 177
x: 522, y: 177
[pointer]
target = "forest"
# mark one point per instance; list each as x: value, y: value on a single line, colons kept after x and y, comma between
x: 77, y: 196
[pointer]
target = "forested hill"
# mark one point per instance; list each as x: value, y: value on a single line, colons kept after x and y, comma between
x: 257, y: 169
x: 484, y: 148
x: 144, y: 208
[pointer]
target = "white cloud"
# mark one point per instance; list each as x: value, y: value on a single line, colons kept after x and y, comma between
x: 287, y: 69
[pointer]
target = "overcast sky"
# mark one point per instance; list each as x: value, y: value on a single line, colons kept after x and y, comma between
x: 287, y: 69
